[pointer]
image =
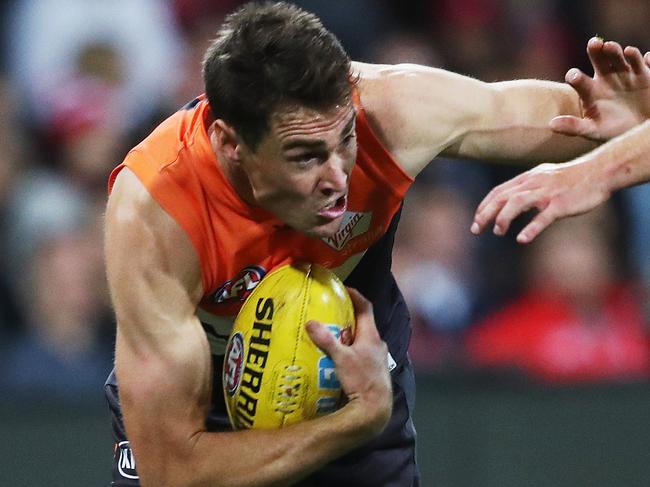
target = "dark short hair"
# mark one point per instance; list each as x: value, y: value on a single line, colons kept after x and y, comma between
x: 269, y: 54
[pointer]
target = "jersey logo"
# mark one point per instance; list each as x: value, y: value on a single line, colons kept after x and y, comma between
x: 234, y: 363
x: 240, y: 286
x: 353, y: 224
x: 126, y: 461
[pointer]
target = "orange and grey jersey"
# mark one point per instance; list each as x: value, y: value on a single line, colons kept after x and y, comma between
x: 238, y: 244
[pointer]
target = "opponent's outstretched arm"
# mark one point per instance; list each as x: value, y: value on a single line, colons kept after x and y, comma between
x: 567, y: 189
x: 164, y: 371
x: 575, y: 187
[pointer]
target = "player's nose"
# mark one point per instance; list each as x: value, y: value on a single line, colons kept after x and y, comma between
x: 334, y: 178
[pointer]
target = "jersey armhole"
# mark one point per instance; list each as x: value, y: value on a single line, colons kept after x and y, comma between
x: 180, y: 209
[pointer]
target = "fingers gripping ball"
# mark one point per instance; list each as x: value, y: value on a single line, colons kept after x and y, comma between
x: 274, y: 375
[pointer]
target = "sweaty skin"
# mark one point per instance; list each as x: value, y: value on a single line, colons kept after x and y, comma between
x: 300, y: 172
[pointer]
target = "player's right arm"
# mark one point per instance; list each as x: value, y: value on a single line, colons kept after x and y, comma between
x: 163, y: 366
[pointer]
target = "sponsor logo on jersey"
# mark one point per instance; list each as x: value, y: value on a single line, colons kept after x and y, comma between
x: 126, y: 461
x: 239, y: 287
x: 353, y: 224
x: 234, y: 364
x: 259, y: 344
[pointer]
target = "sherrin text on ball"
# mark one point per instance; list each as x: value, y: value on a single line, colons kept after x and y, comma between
x: 273, y: 373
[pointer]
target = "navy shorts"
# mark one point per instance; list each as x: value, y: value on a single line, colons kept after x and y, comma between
x: 387, y: 461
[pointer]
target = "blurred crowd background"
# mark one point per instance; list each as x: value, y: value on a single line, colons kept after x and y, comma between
x: 82, y: 81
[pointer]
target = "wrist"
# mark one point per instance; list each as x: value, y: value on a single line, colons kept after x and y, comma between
x: 370, y: 415
x: 623, y: 160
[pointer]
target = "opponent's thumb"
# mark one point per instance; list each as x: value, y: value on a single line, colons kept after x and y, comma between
x: 572, y: 126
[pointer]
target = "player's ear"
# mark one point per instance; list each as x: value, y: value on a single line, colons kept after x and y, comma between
x: 227, y: 141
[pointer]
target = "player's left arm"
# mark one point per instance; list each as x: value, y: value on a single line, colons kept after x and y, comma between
x: 421, y: 112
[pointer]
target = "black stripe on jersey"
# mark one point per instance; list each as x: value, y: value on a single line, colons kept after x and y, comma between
x: 210, y: 331
x: 191, y: 105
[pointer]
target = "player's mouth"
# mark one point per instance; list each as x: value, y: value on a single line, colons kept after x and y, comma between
x: 335, y: 209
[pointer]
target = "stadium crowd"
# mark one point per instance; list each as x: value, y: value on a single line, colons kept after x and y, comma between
x: 82, y: 81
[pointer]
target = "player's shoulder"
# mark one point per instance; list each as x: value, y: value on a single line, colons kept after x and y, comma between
x: 139, y: 229
x: 385, y: 84
x: 131, y: 204
x: 386, y: 91
x: 129, y: 190
x: 373, y: 82
x: 384, y: 96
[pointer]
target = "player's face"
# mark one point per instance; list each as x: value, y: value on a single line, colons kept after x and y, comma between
x: 301, y: 170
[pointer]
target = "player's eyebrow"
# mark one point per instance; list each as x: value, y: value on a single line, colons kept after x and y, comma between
x: 316, y: 144
x: 303, y: 144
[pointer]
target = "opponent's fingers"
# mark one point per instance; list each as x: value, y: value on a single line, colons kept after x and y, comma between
x: 536, y: 226
x: 517, y: 204
x: 323, y: 338
x: 497, y: 194
x: 487, y: 199
x: 573, y: 126
x: 646, y: 58
x: 487, y: 210
x: 614, y: 54
x: 597, y: 57
x: 584, y: 85
x: 635, y: 59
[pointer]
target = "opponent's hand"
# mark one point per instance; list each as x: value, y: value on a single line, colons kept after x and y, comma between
x: 555, y: 190
x: 615, y: 99
x: 361, y: 367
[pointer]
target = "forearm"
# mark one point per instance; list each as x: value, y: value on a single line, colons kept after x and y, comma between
x: 164, y: 406
x: 515, y: 127
x: 172, y: 447
x: 274, y: 457
x: 623, y: 161
x: 165, y: 399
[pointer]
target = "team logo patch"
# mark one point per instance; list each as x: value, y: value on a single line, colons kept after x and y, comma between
x: 353, y: 225
x: 234, y: 364
x: 241, y: 285
x: 126, y: 461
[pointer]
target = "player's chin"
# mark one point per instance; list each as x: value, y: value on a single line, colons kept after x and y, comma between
x: 324, y: 227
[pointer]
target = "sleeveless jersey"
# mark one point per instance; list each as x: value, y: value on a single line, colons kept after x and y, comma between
x: 237, y: 244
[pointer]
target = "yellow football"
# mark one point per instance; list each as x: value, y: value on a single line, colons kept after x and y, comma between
x: 273, y: 374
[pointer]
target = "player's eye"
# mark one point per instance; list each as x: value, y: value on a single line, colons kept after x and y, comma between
x: 308, y: 159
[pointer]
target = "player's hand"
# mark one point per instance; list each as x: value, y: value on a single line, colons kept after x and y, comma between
x: 361, y: 367
x: 555, y: 190
x: 615, y: 99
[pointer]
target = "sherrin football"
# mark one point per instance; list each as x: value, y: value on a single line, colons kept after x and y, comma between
x: 273, y: 373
